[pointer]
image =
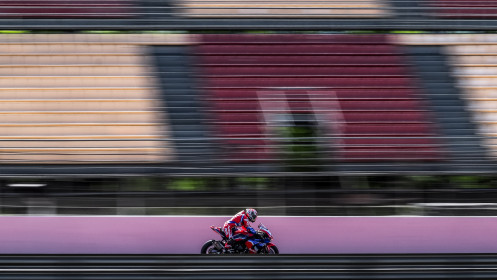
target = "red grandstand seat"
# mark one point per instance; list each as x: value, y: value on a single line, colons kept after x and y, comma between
x: 238, y: 118
x: 375, y: 105
x: 343, y: 94
x: 465, y: 9
x: 232, y: 94
x: 362, y: 90
x: 383, y: 116
x: 401, y: 154
x: 335, y: 60
x: 390, y: 71
x: 474, y: 3
x: 246, y: 150
x: 252, y: 142
x: 66, y: 9
x: 243, y: 82
x: 412, y: 129
x: 381, y: 93
x: 236, y: 106
x: 296, y: 49
x: 293, y: 38
x: 466, y: 13
x: 376, y: 142
x: 252, y: 130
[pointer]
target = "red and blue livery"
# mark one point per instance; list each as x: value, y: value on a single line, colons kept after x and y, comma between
x: 246, y: 241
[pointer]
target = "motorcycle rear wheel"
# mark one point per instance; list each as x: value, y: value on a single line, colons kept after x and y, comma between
x: 209, y: 248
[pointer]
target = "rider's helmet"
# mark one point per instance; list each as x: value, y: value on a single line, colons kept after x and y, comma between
x: 251, y: 214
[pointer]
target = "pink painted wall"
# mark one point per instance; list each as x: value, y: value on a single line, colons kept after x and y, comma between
x: 293, y: 235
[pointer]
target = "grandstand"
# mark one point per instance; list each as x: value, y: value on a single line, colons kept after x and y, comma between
x: 284, y: 9
x: 79, y: 99
x: 226, y: 103
x: 186, y: 92
x: 349, y: 75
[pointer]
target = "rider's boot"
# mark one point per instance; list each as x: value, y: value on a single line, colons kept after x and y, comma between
x: 251, y: 247
x: 228, y: 245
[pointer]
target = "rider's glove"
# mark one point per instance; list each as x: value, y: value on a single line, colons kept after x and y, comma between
x: 251, y: 230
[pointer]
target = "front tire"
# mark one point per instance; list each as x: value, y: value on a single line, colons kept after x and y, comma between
x: 273, y: 250
x: 209, y: 248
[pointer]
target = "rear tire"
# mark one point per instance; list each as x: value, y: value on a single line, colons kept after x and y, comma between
x: 209, y: 248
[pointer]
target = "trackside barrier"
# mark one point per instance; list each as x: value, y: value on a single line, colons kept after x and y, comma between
x: 293, y: 235
x: 186, y: 267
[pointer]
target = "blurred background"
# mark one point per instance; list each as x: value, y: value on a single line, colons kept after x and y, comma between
x: 203, y: 107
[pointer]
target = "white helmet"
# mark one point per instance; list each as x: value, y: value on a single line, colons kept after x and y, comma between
x: 251, y: 214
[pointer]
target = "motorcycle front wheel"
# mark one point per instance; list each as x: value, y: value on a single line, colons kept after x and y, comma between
x: 273, y: 250
x: 209, y: 248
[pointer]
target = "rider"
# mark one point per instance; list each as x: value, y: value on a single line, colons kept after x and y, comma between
x: 240, y: 221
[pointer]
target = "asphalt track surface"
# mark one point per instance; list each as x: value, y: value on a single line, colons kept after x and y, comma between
x: 144, y: 267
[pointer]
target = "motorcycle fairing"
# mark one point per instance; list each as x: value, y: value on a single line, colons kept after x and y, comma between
x: 219, y: 231
x: 269, y: 245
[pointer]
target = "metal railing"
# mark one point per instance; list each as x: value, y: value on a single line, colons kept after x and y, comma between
x: 423, y: 266
x: 307, y: 201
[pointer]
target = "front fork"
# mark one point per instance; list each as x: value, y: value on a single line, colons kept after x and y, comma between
x: 268, y: 247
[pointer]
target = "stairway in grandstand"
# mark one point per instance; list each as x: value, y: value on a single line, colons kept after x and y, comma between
x: 473, y: 65
x: 446, y: 105
x: 184, y: 105
x: 358, y: 88
x: 77, y: 99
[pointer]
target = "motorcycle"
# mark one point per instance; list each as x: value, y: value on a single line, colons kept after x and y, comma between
x: 262, y: 238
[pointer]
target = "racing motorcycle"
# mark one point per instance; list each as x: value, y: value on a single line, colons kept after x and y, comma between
x: 262, y: 240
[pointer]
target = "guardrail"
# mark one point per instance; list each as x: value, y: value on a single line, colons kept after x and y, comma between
x: 132, y: 267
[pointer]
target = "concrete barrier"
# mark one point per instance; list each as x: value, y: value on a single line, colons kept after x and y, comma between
x: 293, y: 235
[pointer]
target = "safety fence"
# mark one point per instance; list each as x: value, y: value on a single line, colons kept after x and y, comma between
x: 431, y: 266
x: 272, y: 197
